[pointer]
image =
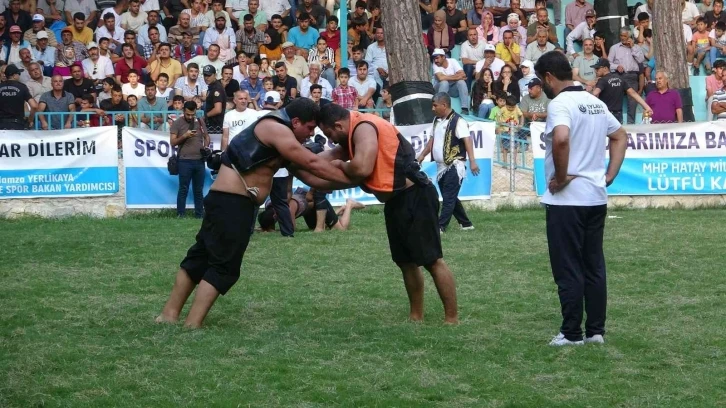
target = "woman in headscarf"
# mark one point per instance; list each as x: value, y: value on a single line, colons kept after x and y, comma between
x: 440, y: 35
x: 65, y: 62
x: 487, y: 31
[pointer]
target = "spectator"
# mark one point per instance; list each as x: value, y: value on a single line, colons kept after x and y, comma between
x: 231, y: 86
x: 24, y: 64
x: 129, y: 61
x: 625, y: 60
x: 95, y: 117
x: 87, y: 8
x: 163, y: 90
x: 582, y: 70
x: 331, y: 35
x: 519, y: 32
x: 316, y: 13
x: 482, y: 93
x: 151, y: 103
x: 134, y: 18
x: 449, y: 78
x: 490, y: 61
x: 78, y: 86
x: 38, y: 84
x: 253, y: 85
x: 543, y: 22
x: 173, y: 10
x: 249, y: 38
x: 364, y: 86
x: 611, y: 87
x: 665, y: 102
x: 506, y: 83
x: 714, y: 82
x: 177, y: 32
x: 164, y: 64
x: 509, y: 51
x: 197, y: 16
x: 152, y: 20
x: 358, y: 31
x: 639, y: 29
x: 65, y: 62
x: 110, y: 30
x: 509, y: 121
x: 690, y: 13
x: 116, y: 9
x: 4, y: 29
x: 705, y: 6
x: 217, y: 9
x: 472, y: 51
x: 240, y: 70
x: 315, y: 93
x: 440, y: 35
x: 78, y: 29
x: 56, y: 100
x: 279, y: 7
x: 702, y: 47
x: 582, y: 31
x: 223, y: 37
x: 273, y: 39
x: 297, y: 67
x: 473, y: 16
x: 575, y: 14
x: 534, y: 102
x: 212, y: 58
x: 314, y: 78
x: 133, y: 87
x: 515, y: 8
x: 497, y: 8
x: 130, y: 39
x: 717, y: 39
x: 528, y: 75
x: 16, y: 16
x: 302, y: 36
x: 715, y: 15
x: 190, y: 87
x: 44, y: 54
x: 345, y: 95
x: 103, y: 49
x: 644, y: 8
x: 376, y: 57
x: 488, y: 33
x: 282, y: 78
x: 385, y: 104
x: 284, y: 97
x: 717, y: 107
x: 259, y: 16
x: 600, y: 49
x: 234, y: 9
x: 79, y: 50
x: 237, y: 119
x: 11, y: 50
x: 539, y: 47
x: 190, y: 135
x: 30, y: 36
x: 150, y: 50
x: 325, y: 56
x: 186, y: 50
x: 456, y: 19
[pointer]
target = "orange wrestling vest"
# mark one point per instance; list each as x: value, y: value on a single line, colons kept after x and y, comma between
x: 394, y: 153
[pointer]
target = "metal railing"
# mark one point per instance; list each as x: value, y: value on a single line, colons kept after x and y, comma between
x: 121, y: 119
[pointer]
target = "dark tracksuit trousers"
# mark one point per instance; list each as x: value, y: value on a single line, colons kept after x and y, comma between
x: 451, y: 205
x: 575, y: 240
x: 278, y: 197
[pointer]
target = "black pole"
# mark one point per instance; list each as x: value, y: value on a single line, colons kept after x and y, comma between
x: 612, y: 15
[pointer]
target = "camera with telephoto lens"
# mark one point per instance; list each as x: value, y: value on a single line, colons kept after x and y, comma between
x: 213, y: 159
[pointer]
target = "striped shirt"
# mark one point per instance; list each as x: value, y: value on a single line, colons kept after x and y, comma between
x: 314, y: 56
x: 199, y: 21
x: 199, y: 88
x: 720, y: 96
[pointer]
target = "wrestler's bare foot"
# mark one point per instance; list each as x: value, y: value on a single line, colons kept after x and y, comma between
x: 162, y: 318
x: 451, y: 321
x: 415, y: 318
x: 355, y: 205
x: 319, y: 230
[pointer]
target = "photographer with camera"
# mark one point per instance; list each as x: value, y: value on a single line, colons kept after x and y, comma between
x: 189, y: 134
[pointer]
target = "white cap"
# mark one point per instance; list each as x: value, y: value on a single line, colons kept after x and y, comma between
x: 489, y: 47
x: 527, y: 63
x: 512, y: 16
x: 38, y: 17
x: 41, y: 35
x: 438, y: 51
x: 272, y: 97
x: 92, y: 45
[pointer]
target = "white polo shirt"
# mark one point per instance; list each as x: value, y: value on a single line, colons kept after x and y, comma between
x: 590, y: 122
x: 236, y: 121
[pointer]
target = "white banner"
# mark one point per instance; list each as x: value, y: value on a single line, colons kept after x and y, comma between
x: 58, y: 163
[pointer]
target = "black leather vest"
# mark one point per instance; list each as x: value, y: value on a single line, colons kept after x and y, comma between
x: 245, y: 152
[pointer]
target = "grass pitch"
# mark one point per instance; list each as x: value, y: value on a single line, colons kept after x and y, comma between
x: 320, y: 320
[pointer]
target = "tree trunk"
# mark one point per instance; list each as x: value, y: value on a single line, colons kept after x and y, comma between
x: 670, y: 49
x: 408, y: 59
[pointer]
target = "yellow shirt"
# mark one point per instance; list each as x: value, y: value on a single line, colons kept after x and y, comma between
x: 174, y: 69
x: 84, y: 37
x: 503, y: 53
x: 507, y: 117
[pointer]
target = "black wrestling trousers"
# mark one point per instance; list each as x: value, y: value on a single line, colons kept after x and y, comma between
x: 575, y: 240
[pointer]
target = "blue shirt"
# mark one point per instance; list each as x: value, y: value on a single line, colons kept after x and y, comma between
x: 255, y: 91
x: 303, y: 40
x: 47, y: 56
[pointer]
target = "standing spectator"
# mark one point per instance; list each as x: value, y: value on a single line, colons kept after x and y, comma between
x: 314, y: 78
x: 282, y: 78
x: 575, y: 14
x: 325, y: 56
x: 212, y: 58
x: 44, y: 54
x: 364, y: 86
x: 297, y: 66
x: 440, y: 35
x: 611, y: 88
x: 456, y: 19
x: 490, y: 61
x: 582, y: 70
x: 129, y: 61
x: 230, y: 85
x: 449, y: 78
x: 238, y: 119
x: 134, y: 18
x: 624, y: 61
x: 38, y: 84
x: 509, y: 51
x: 472, y: 51
x: 16, y: 16
x: 376, y: 57
x: 78, y: 86
x: 164, y: 64
x: 303, y: 36
x: 581, y: 32
x: 665, y: 102
x: 186, y: 50
x: 534, y: 103
x: 190, y: 135
x: 39, y: 25
x: 249, y: 38
x: 11, y: 50
x: 15, y: 95
x: 152, y: 20
x: 538, y: 47
x: 449, y: 147
x: 151, y: 103
x: 220, y: 31
x: 163, y: 90
x: 115, y: 103
x: 56, y: 100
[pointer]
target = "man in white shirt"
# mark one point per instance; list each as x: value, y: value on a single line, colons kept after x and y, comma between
x: 315, y: 78
x: 150, y: 5
x: 472, y: 51
x: 376, y: 57
x: 238, y: 119
x: 645, y: 8
x: 134, y: 18
x: 490, y: 61
x: 584, y: 30
x: 364, y: 85
x: 689, y: 14
x: 152, y: 20
x: 539, y: 46
x: 217, y: 30
x: 449, y: 78
x: 212, y: 58
x: 577, y: 129
x: 97, y: 67
x: 110, y: 30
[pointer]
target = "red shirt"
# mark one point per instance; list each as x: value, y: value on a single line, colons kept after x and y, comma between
x: 122, y: 68
x: 333, y: 40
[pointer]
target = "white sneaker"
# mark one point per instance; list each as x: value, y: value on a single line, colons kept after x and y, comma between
x: 560, y: 340
x: 597, y: 339
x: 469, y: 228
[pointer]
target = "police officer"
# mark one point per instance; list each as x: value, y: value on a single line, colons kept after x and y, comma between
x: 14, y: 94
x: 216, y: 100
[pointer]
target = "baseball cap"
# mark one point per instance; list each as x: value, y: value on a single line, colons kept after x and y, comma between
x: 601, y: 63
x: 219, y: 15
x: 12, y: 69
x: 590, y: 13
x: 209, y: 70
x: 41, y: 35
x: 527, y: 63
x: 67, y: 29
x: 489, y: 47
x: 38, y: 17
x: 272, y: 97
x: 92, y: 45
x: 438, y: 51
x: 15, y: 29
x: 534, y: 82
x: 287, y: 44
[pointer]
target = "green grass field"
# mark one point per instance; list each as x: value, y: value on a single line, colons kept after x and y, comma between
x: 321, y: 320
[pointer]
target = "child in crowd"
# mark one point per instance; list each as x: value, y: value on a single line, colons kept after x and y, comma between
x: 267, y: 86
x: 177, y: 105
x: 501, y: 101
x: 512, y: 116
x: 96, y: 117
x: 343, y: 94
x: 265, y: 69
x: 702, y: 46
x: 133, y: 87
x: 385, y: 103
x: 717, y: 39
x: 162, y: 88
x: 107, y: 84
x: 133, y: 102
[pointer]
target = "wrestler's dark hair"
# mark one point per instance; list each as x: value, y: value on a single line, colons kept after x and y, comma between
x: 266, y: 218
x: 331, y: 113
x: 304, y: 109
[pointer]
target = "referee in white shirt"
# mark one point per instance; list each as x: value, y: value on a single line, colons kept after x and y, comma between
x: 576, y: 198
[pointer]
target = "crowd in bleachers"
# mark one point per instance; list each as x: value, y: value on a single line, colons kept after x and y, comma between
x: 106, y: 53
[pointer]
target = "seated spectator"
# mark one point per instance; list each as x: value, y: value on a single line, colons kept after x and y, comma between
x: 79, y: 30
x: 440, y: 35
x: 364, y: 86
x: 267, y: 86
x: 130, y: 39
x: 316, y: 13
x: 284, y: 97
x: 172, y: 11
x: 314, y: 78
x: 532, y: 16
x: 15, y: 15
x: 11, y: 49
x: 600, y: 48
x: 219, y: 31
x: 582, y: 70
x: 134, y: 18
x: 487, y: 31
x: 30, y: 36
x: 44, y: 54
x: 281, y: 78
x: 385, y: 104
x: 315, y: 93
x: 107, y: 85
x: 705, y: 6
x: 581, y: 32
x: 472, y: 51
x: 65, y: 62
x: 449, y: 77
x: 665, y: 102
x: 611, y: 89
x: 38, y: 84
x: 110, y: 30
x: 534, y: 103
x: 509, y: 51
x: 212, y: 58
x: 575, y: 14
x: 253, y: 85
x: 297, y: 66
x: 116, y: 8
x: 56, y: 100
x: 151, y: 103
x: 358, y: 31
x: 473, y: 16
x: 497, y: 8
x: 79, y: 50
x: 152, y: 20
x: 325, y: 57
x: 217, y: 9
x: 717, y: 39
x: 273, y: 39
x: 280, y: 7
x: 240, y: 70
x: 177, y: 32
x: 95, y: 117
x: 456, y: 19
x: 78, y: 86
x: 490, y: 61
x: 129, y: 61
x: 528, y: 75
x: 519, y: 32
x: 259, y: 16
x: 97, y: 67
x: 302, y: 36
x: 103, y: 49
x: 506, y: 83
x: 133, y: 87
x: 197, y: 16
x: 690, y: 13
x: 702, y: 46
x: 24, y: 64
x: 714, y: 82
x: 331, y: 35
x: 501, y: 103
x: 190, y: 86
x: 249, y: 38
x: 150, y: 51
x: 133, y: 118
x: 715, y: 15
x: 266, y: 71
x: 644, y: 8
x: 163, y: 90
x: 186, y: 50
x: 115, y: 103
x: 543, y: 22
x: 639, y: 29
x: 482, y: 94
x: 538, y: 47
x: 165, y: 65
